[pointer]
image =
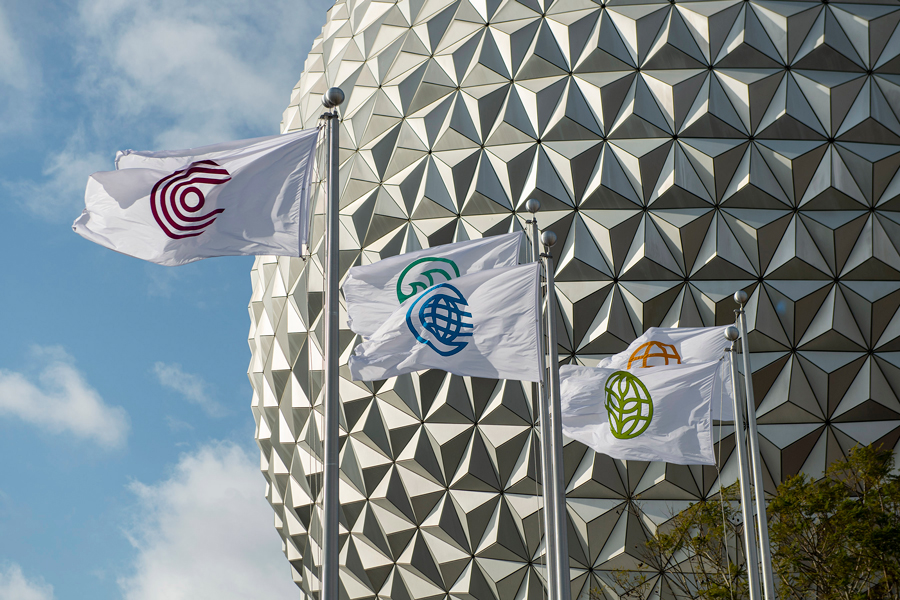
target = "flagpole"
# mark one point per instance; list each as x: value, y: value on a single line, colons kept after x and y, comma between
x: 533, y: 205
x: 330, y: 567
x: 732, y: 334
x: 560, y: 554
x: 740, y: 297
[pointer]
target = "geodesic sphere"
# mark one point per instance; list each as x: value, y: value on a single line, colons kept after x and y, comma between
x: 680, y: 151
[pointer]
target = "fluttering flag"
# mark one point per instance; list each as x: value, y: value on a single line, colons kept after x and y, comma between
x: 661, y: 346
x: 174, y: 207
x: 670, y: 346
x: 375, y: 291
x: 645, y: 414
x: 481, y: 325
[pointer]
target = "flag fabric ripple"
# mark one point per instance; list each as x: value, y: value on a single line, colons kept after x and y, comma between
x: 373, y: 292
x: 660, y: 414
x: 481, y: 325
x: 670, y: 346
x: 173, y: 207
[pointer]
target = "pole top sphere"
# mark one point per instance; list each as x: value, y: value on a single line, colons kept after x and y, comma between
x: 333, y: 97
x: 732, y: 333
x: 548, y: 238
x: 741, y: 297
x: 532, y: 205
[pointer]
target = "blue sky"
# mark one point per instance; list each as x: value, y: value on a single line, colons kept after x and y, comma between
x: 128, y: 466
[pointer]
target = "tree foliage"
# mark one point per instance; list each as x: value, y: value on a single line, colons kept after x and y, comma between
x: 698, y: 554
x: 836, y: 538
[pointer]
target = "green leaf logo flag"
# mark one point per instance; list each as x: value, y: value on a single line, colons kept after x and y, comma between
x: 669, y: 347
x: 665, y: 414
x: 628, y: 404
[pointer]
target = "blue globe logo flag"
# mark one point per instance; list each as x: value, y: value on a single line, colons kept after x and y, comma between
x: 439, y: 319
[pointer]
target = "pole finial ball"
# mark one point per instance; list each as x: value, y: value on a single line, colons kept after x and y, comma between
x: 532, y: 205
x: 548, y: 238
x: 732, y: 333
x: 333, y: 97
x: 741, y: 297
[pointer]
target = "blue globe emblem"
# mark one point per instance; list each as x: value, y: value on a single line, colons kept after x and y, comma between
x: 443, y: 317
x: 438, y: 318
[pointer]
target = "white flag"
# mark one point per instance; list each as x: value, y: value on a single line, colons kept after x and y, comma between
x: 669, y: 346
x: 175, y: 207
x: 648, y: 414
x: 480, y: 325
x: 374, y: 292
x: 660, y: 346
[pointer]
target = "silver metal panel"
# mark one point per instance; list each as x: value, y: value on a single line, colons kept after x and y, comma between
x: 680, y: 151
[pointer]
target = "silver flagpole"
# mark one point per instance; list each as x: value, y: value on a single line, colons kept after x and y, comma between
x: 330, y: 569
x: 533, y: 205
x: 560, y: 540
x: 732, y: 334
x: 762, y: 522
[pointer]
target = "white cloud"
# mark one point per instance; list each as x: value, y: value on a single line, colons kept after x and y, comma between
x: 59, y: 196
x: 61, y: 401
x: 159, y: 74
x: 192, y: 387
x: 15, y: 586
x: 207, y: 532
x: 177, y: 425
x: 211, y: 70
x: 19, y: 80
x: 13, y: 69
x: 162, y: 280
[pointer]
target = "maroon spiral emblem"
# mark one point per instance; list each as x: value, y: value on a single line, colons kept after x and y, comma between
x: 177, y: 202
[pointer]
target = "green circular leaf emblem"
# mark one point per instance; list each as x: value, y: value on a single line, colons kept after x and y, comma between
x: 628, y: 404
x: 423, y: 273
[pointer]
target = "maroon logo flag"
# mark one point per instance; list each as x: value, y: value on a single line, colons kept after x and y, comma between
x: 176, y: 199
x: 171, y: 207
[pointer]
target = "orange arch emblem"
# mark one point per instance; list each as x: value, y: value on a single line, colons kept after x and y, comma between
x: 663, y: 353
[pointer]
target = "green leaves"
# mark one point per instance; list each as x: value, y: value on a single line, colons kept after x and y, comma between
x: 837, y: 538
x: 698, y: 552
